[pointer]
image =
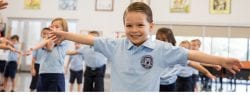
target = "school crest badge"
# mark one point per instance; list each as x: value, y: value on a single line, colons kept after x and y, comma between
x: 147, y: 61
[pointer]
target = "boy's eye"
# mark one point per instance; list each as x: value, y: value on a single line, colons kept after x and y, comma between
x: 141, y: 25
x: 128, y: 25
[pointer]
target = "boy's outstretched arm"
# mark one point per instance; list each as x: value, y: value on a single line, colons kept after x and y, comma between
x: 230, y: 64
x: 72, y: 52
x: 80, y: 38
x: 3, y: 4
x: 202, y: 69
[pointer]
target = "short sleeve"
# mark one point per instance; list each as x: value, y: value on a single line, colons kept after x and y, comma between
x: 34, y: 54
x: 175, y: 55
x: 106, y: 46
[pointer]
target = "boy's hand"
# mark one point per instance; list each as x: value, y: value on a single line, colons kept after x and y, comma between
x: 33, y: 72
x: 66, y: 70
x: 217, y: 67
x: 54, y: 35
x: 232, y: 64
x: 3, y: 4
x: 6, y: 41
x: 28, y: 52
x: 209, y: 75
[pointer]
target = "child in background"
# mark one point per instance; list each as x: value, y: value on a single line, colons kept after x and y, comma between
x: 12, y: 64
x: 51, y: 72
x: 76, y: 69
x: 169, y: 76
x: 3, y: 60
x: 95, y: 67
x: 137, y: 62
x: 185, y: 75
x: 36, y: 61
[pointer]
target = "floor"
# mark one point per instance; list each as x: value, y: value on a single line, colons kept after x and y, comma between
x: 23, y: 80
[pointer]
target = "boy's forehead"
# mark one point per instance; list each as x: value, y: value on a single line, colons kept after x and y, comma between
x: 137, y: 15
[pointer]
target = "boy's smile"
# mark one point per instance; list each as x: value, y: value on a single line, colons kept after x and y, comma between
x: 137, y: 27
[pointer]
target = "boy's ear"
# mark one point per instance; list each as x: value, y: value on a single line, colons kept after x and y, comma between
x: 151, y: 27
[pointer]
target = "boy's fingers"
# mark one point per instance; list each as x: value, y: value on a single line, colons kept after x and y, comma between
x: 239, y: 65
x: 232, y: 71
x: 236, y: 68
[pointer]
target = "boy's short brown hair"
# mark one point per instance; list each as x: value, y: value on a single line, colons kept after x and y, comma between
x: 14, y: 37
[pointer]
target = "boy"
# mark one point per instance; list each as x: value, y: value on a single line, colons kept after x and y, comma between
x: 76, y: 68
x: 11, y: 67
x: 95, y: 67
x: 137, y: 61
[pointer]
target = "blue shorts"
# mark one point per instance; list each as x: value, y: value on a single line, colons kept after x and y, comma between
x: 10, y: 70
x: 51, y: 82
x: 75, y: 75
x: 2, y: 65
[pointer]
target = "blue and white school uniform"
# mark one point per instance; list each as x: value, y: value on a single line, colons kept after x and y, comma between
x: 52, y: 69
x: 185, y: 78
x: 38, y: 55
x: 168, y: 78
x: 139, y: 68
x: 76, y: 68
x: 95, y: 69
x: 3, y: 60
x: 11, y: 67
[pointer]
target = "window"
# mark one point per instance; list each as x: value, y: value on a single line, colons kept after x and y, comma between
x: 238, y: 48
x: 29, y: 31
x: 219, y: 46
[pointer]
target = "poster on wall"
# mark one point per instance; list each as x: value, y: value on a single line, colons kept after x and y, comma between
x: 70, y: 5
x: 104, y: 5
x: 220, y: 6
x: 180, y: 6
x: 32, y: 4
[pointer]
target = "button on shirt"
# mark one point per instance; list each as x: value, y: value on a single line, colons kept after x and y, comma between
x: 76, y: 62
x: 53, y: 62
x: 38, y: 55
x: 138, y: 68
x: 92, y: 58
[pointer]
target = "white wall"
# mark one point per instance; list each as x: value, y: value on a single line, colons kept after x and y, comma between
x: 199, y: 14
x: 110, y: 22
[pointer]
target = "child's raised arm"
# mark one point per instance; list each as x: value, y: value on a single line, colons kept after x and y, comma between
x: 43, y: 43
x: 72, y: 52
x: 230, y: 64
x: 80, y: 38
x: 216, y: 67
x: 3, y: 4
x: 200, y: 68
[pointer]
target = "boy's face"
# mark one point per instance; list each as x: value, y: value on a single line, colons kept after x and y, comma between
x: 185, y: 45
x: 44, y: 34
x: 57, y: 24
x: 14, y: 41
x: 137, y: 27
x: 195, y: 45
x: 161, y: 37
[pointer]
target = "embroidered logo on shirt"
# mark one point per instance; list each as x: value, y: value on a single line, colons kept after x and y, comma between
x: 147, y: 61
